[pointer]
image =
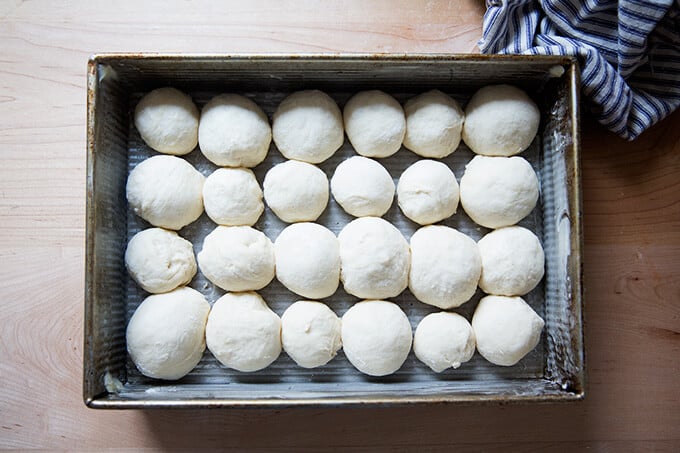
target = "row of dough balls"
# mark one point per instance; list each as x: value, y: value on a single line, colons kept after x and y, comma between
x: 494, y: 191
x: 441, y: 266
x: 168, y: 333
x: 233, y: 131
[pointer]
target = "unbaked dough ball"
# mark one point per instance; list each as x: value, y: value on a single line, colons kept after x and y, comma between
x: 166, y: 334
x: 427, y: 192
x: 498, y: 191
x: 237, y: 258
x: 307, y: 126
x: 376, y: 337
x: 234, y: 131
x: 500, y: 120
x: 433, y: 124
x: 296, y: 191
x: 362, y: 187
x: 159, y: 260
x: 166, y: 191
x: 445, y: 266
x: 512, y: 261
x: 444, y: 340
x: 232, y: 197
x: 167, y: 120
x: 310, y: 333
x: 506, y: 329
x: 243, y: 333
x: 375, y: 123
x: 374, y: 258
x: 308, y: 260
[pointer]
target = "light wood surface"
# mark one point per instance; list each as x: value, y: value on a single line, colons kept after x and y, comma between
x: 631, y: 195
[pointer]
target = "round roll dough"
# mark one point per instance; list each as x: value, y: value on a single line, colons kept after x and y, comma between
x: 296, y: 191
x: 243, y: 333
x: 376, y: 337
x: 433, y: 124
x: 506, y: 329
x: 307, y: 126
x: 445, y: 266
x: 237, y: 258
x: 362, y: 187
x: 512, y: 261
x: 374, y: 258
x: 444, y: 340
x: 166, y: 191
x: 234, y: 131
x: 500, y: 120
x: 427, y: 192
x: 310, y: 333
x: 166, y: 334
x: 498, y: 191
x: 375, y: 123
x: 159, y: 260
x: 232, y: 197
x: 308, y: 260
x: 167, y: 120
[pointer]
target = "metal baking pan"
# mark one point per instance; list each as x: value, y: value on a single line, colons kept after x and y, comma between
x: 554, y: 371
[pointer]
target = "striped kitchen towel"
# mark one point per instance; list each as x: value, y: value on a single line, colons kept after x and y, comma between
x: 629, y: 51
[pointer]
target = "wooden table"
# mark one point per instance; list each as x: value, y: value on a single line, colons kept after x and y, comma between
x: 631, y: 195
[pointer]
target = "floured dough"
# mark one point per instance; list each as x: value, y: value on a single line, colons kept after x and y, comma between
x: 296, y: 191
x: 308, y: 260
x: 243, y: 333
x: 444, y: 340
x: 374, y: 258
x: 375, y: 123
x: 428, y: 192
x: 376, y: 337
x: 166, y: 334
x: 512, y: 261
x: 362, y: 187
x: 498, y: 191
x: 307, y: 126
x: 506, y: 329
x: 232, y: 197
x: 433, y: 124
x: 237, y: 258
x: 167, y: 121
x: 160, y: 260
x: 234, y: 131
x: 166, y: 191
x: 310, y: 333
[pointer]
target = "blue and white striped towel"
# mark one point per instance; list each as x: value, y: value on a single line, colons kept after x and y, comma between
x: 629, y: 51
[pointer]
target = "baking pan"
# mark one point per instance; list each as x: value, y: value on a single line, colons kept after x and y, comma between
x: 554, y: 371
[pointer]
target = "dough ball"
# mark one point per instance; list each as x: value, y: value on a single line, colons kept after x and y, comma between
x: 167, y: 120
x: 296, y: 191
x: 232, y: 197
x: 237, y: 258
x: 234, y: 131
x: 166, y: 191
x: 427, y: 192
x: 498, y: 191
x: 166, y: 334
x: 307, y: 126
x: 310, y: 333
x: 308, y: 260
x: 445, y: 266
x: 362, y: 187
x: 159, y: 260
x: 512, y: 261
x: 376, y: 337
x: 243, y: 333
x: 444, y: 340
x: 375, y: 123
x: 506, y: 329
x: 374, y: 258
x: 500, y: 120
x: 433, y: 124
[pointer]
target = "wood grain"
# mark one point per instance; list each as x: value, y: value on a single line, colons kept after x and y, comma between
x: 631, y: 222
